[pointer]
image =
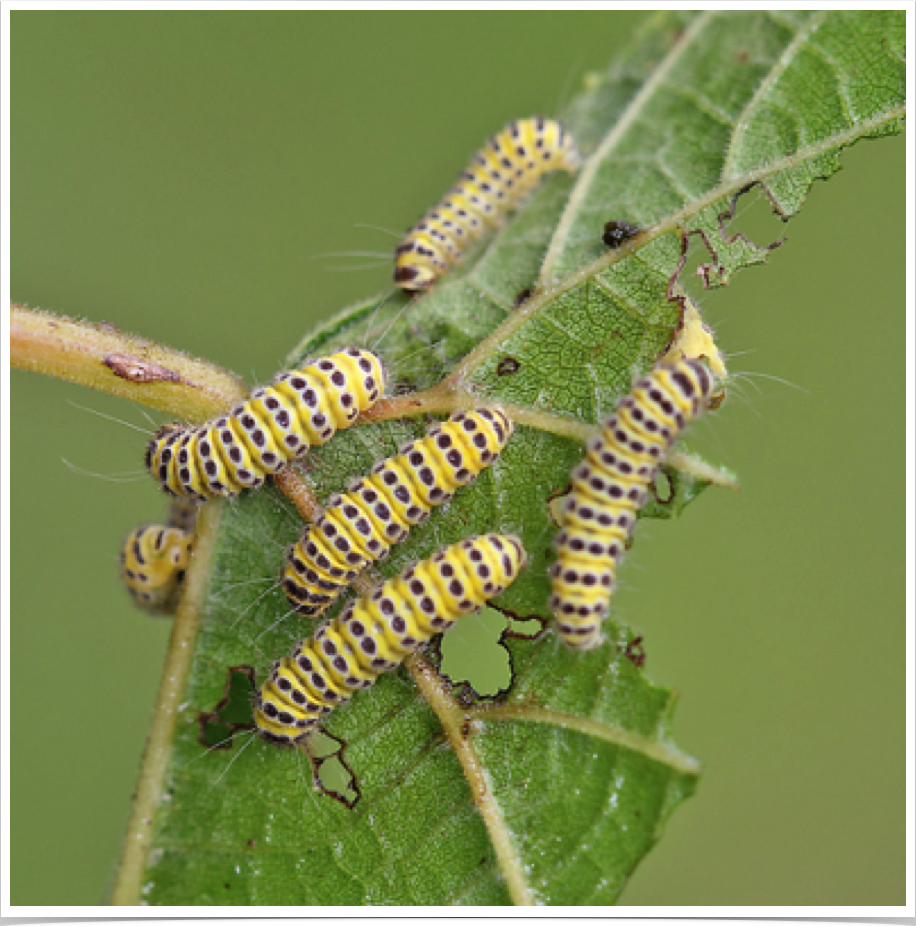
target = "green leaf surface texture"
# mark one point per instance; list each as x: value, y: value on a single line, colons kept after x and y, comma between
x: 576, y: 753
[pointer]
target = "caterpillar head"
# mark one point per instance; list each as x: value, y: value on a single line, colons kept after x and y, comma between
x: 165, y: 432
x: 695, y: 341
x: 414, y: 278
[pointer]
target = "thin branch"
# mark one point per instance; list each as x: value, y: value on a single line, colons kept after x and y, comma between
x: 300, y: 493
x: 447, y: 397
x: 453, y: 720
x: 178, y: 660
x: 441, y: 399
x: 103, y: 358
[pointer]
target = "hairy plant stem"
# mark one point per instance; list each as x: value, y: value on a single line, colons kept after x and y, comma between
x: 300, y: 493
x: 103, y: 358
x: 437, y: 693
x: 448, y: 396
x: 178, y: 660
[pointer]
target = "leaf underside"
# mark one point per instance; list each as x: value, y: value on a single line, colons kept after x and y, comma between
x: 580, y: 762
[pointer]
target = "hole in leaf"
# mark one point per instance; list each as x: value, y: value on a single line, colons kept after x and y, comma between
x: 232, y: 712
x: 663, y: 488
x: 741, y: 235
x: 332, y: 774
x: 213, y: 734
x: 472, y: 653
x: 526, y: 629
x: 755, y: 218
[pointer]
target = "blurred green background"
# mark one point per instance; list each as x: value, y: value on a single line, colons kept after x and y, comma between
x: 178, y: 174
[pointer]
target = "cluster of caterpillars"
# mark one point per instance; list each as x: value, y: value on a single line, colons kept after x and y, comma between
x: 307, y: 407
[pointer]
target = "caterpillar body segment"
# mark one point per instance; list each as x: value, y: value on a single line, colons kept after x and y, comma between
x: 508, y: 166
x: 360, y: 527
x: 375, y: 634
x: 277, y: 424
x: 610, y: 486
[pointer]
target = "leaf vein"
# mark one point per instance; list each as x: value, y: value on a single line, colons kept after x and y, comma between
x: 785, y: 60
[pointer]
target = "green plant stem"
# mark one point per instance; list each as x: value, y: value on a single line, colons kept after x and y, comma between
x: 178, y: 660
x: 437, y: 693
x: 300, y: 493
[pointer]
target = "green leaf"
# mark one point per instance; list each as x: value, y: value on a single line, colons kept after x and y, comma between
x: 554, y: 790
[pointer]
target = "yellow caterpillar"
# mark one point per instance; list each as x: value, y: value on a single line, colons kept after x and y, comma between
x: 154, y: 559
x: 360, y: 527
x: 376, y: 634
x: 277, y: 424
x: 610, y: 486
x: 501, y: 173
